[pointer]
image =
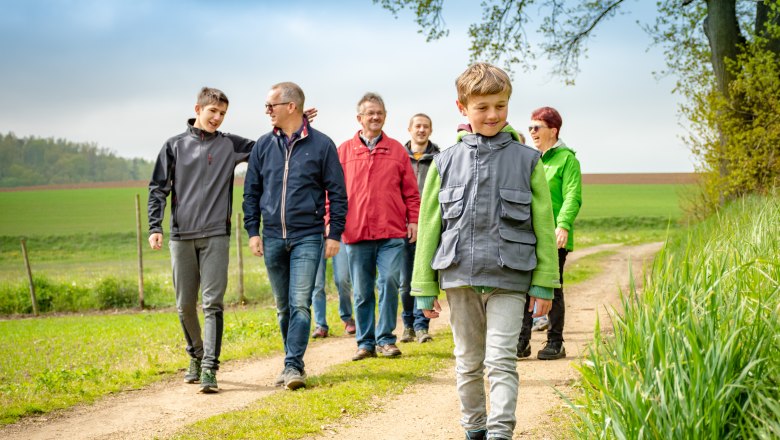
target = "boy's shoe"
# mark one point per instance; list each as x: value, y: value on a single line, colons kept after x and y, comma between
x: 388, y: 350
x: 320, y: 332
x: 408, y: 335
x: 523, y: 349
x: 362, y: 353
x: 279, y: 382
x: 541, y: 324
x: 349, y: 326
x: 193, y: 372
x: 423, y: 336
x: 293, y: 378
x: 208, y: 381
x: 477, y: 434
x: 551, y: 351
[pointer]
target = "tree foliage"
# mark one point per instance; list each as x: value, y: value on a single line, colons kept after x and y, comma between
x: 724, y: 53
x: 38, y: 161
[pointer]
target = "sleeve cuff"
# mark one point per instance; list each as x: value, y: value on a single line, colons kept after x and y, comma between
x: 541, y: 292
x: 565, y: 225
x: 425, y: 302
x: 428, y: 288
x: 546, y: 279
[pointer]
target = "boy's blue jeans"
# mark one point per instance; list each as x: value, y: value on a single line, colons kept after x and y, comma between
x: 343, y: 283
x: 411, y: 316
x: 365, y: 258
x: 485, y: 328
x: 292, y: 267
x: 201, y: 264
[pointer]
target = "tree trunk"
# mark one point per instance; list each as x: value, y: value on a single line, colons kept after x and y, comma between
x: 725, y: 37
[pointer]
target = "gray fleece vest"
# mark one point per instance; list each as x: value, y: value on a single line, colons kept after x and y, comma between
x: 485, y: 197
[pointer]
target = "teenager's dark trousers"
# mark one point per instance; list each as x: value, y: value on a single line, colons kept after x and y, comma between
x: 557, y: 313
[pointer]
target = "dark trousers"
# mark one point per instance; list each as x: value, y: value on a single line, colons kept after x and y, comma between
x: 557, y: 313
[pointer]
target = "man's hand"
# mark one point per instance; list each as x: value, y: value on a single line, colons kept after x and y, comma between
x: 310, y: 114
x: 430, y: 314
x: 543, y: 306
x: 155, y: 241
x: 561, y: 237
x: 331, y: 247
x: 411, y: 232
x: 256, y: 245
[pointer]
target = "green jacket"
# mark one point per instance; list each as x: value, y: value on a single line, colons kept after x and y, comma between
x: 565, y: 181
x: 425, y: 280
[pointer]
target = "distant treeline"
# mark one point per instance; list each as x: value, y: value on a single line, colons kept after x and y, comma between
x: 37, y: 161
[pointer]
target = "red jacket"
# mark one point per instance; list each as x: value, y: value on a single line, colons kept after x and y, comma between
x: 381, y: 190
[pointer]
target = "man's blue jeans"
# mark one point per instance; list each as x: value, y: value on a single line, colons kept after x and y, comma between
x: 365, y: 258
x: 292, y: 268
x: 343, y: 283
x: 411, y: 316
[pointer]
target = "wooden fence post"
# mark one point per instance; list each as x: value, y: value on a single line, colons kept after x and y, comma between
x: 30, y: 278
x: 140, y: 251
x: 239, y: 251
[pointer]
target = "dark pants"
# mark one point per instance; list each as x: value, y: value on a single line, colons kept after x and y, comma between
x: 557, y: 313
x: 411, y: 316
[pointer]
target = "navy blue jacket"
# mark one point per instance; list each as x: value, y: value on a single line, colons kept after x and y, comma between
x: 285, y: 186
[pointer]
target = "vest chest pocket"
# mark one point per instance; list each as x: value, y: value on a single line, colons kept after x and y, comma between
x: 446, y: 254
x: 515, y: 204
x: 451, y: 201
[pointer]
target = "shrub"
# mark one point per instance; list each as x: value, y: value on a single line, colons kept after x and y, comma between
x: 114, y: 293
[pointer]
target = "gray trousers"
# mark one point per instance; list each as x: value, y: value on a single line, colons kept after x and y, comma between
x: 485, y: 328
x: 201, y: 264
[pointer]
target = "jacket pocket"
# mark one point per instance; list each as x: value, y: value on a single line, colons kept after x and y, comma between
x: 516, y: 248
x: 446, y: 254
x: 451, y: 201
x: 515, y: 204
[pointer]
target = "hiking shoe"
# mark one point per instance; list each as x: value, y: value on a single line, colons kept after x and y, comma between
x: 541, y: 324
x: 523, y: 349
x: 362, y: 353
x: 408, y: 335
x: 349, y: 326
x: 208, y: 381
x: 294, y: 378
x: 477, y: 434
x: 389, y: 350
x: 320, y: 332
x: 279, y: 382
x: 551, y: 351
x: 193, y: 372
x: 423, y: 336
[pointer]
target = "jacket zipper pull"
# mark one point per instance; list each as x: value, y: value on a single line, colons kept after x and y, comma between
x: 209, y: 158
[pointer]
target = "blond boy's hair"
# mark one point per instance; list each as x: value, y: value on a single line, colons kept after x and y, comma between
x: 481, y: 79
x: 210, y: 95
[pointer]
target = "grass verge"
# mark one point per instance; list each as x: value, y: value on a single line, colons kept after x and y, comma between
x: 697, y: 355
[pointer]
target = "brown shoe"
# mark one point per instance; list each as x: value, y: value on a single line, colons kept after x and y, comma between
x: 362, y: 353
x: 389, y: 350
x: 320, y: 332
x: 349, y: 326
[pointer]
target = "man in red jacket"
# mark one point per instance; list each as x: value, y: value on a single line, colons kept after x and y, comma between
x: 383, y: 205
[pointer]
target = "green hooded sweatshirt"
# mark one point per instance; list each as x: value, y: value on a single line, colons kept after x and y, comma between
x: 565, y: 181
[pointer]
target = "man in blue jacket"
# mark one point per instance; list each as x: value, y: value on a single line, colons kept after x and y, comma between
x: 290, y: 170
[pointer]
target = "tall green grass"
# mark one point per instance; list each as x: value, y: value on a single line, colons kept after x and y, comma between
x: 697, y: 353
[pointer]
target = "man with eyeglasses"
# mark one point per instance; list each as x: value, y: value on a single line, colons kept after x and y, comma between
x: 383, y: 206
x: 290, y: 171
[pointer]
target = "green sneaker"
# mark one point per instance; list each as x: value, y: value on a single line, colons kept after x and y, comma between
x: 408, y: 335
x: 208, y: 381
x: 193, y: 373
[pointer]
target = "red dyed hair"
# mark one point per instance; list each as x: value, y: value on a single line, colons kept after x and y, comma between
x: 550, y: 116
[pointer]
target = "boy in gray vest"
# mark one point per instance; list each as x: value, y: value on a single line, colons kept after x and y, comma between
x: 487, y: 238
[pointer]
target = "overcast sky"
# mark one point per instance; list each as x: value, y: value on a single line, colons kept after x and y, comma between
x: 123, y: 74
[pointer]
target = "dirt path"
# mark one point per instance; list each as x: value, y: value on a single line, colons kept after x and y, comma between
x: 163, y: 408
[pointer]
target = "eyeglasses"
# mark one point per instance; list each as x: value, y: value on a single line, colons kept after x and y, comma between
x: 533, y: 128
x: 270, y: 107
x: 372, y: 114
